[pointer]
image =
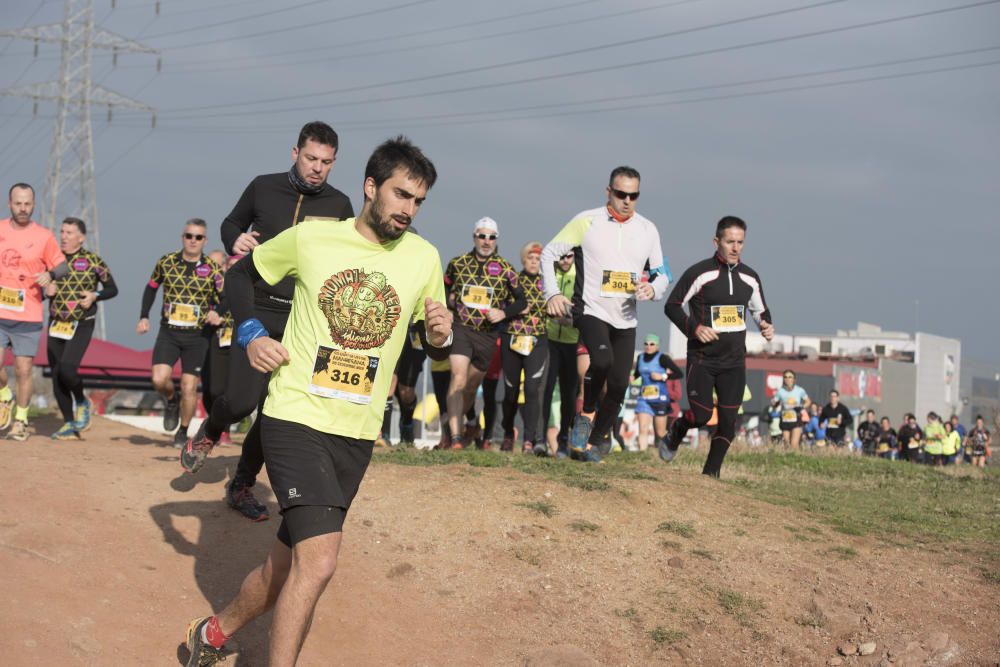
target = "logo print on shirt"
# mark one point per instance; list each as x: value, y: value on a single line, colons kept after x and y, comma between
x: 494, y: 268
x: 10, y: 258
x: 361, y: 308
x: 202, y: 270
x: 81, y: 264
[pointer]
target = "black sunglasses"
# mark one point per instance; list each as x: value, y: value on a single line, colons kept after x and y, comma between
x: 647, y: 343
x: 193, y: 237
x: 568, y: 255
x: 621, y: 194
x: 483, y: 237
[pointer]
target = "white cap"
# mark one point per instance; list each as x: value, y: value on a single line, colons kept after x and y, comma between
x: 486, y: 223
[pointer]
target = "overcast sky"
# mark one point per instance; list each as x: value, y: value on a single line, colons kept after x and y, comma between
x: 873, y: 201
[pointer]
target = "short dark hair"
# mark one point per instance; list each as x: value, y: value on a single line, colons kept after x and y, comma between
x: 627, y: 172
x: 319, y: 132
x: 870, y: 412
x: 400, y: 153
x: 728, y: 222
x: 76, y: 222
x: 197, y: 222
x: 979, y: 416
x: 834, y: 391
x: 10, y: 193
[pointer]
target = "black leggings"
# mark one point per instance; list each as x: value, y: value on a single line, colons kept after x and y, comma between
x: 214, y: 373
x: 64, y: 362
x: 440, y: 380
x: 611, y: 355
x: 728, y: 384
x: 533, y: 366
x: 245, y: 390
x: 562, y: 367
x: 489, y: 387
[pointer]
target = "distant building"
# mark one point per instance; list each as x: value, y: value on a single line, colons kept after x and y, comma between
x: 890, y: 372
x: 980, y: 392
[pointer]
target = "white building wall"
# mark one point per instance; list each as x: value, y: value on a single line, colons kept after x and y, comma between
x: 939, y: 362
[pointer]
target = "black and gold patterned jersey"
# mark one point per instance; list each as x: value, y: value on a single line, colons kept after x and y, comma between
x: 190, y: 289
x: 224, y: 331
x: 533, y: 322
x: 86, y: 272
x: 475, y: 286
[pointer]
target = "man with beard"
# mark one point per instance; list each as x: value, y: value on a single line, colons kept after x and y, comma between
x: 72, y: 315
x: 31, y: 260
x: 270, y: 204
x: 329, y: 383
x: 483, y: 291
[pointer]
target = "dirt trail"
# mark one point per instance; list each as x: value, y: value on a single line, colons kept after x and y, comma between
x: 107, y: 549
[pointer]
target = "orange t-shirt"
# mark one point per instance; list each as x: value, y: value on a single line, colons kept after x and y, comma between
x: 24, y: 253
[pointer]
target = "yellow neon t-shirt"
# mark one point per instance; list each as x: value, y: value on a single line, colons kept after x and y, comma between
x: 352, y: 304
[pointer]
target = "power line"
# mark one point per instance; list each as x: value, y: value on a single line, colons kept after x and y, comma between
x: 275, y: 31
x: 698, y: 100
x: 524, y: 61
x: 626, y: 107
x: 32, y: 137
x: 24, y: 25
x: 455, y: 26
x: 17, y: 135
x: 238, y: 19
x: 131, y: 148
x: 679, y: 91
x: 593, y: 70
x: 179, y: 67
x: 201, y: 9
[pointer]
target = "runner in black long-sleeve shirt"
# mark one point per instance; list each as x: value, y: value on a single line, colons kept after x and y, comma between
x: 72, y: 316
x: 270, y: 204
x: 720, y: 292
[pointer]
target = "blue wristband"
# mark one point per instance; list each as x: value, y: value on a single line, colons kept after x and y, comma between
x: 248, y: 331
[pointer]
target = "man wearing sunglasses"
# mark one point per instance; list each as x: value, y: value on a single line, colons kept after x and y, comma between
x: 268, y: 206
x: 483, y: 291
x: 612, y: 244
x: 720, y: 293
x: 192, y: 285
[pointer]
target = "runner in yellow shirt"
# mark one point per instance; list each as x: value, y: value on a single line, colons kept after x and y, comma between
x: 358, y: 285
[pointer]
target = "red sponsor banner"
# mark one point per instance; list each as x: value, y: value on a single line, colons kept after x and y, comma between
x: 772, y: 383
x: 859, y: 382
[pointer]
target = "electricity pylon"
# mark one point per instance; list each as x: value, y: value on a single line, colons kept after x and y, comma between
x: 71, y: 160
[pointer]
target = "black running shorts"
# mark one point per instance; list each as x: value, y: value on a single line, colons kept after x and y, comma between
x: 309, y: 468
x: 191, y: 347
x: 478, y: 346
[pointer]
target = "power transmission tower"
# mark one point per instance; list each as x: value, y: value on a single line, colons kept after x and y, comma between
x: 71, y: 160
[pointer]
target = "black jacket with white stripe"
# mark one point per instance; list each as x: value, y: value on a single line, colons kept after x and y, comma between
x: 720, y: 296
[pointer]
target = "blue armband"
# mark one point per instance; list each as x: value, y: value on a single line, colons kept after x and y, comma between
x: 248, y: 331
